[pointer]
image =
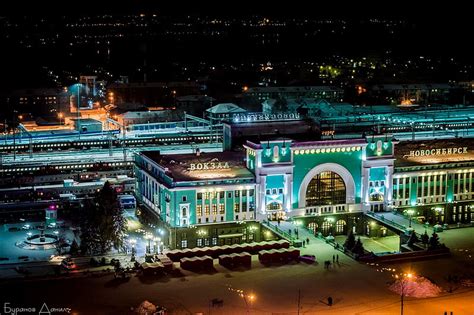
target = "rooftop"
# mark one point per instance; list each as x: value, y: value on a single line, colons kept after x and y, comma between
x: 276, y: 89
x: 417, y: 153
x: 206, y: 166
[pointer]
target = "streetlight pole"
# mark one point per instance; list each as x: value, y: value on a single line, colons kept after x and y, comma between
x: 410, y: 214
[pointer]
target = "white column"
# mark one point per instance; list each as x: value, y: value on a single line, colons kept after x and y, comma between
x: 248, y: 204
x: 389, y: 185
x: 203, y: 207
x: 404, y: 187
x: 240, y: 204
x: 429, y: 187
x: 261, y: 207
x: 365, y: 186
x: 287, y: 198
x: 470, y: 183
x: 464, y: 183
x: 422, y: 186
x: 218, y: 198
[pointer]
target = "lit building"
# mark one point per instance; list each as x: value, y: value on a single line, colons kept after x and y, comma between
x: 329, y: 93
x: 328, y: 185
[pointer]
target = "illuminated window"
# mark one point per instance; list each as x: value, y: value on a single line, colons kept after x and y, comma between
x: 221, y: 208
x: 340, y: 226
x: 214, y: 209
x: 199, y: 210
x: 236, y: 207
x: 207, y: 210
x: 326, y: 188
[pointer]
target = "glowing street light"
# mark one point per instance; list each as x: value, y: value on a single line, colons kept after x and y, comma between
x: 248, y: 298
x: 148, y: 237
x: 403, y: 278
x: 61, y: 116
x: 156, y: 242
x: 132, y: 244
x: 410, y: 214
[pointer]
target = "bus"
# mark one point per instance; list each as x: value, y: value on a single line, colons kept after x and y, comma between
x: 127, y: 202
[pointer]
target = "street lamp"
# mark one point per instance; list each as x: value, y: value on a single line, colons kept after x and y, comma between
x: 297, y: 223
x: 156, y: 242
x: 404, y: 278
x: 410, y: 213
x: 247, y: 297
x: 132, y: 244
x: 148, y: 237
x: 60, y: 115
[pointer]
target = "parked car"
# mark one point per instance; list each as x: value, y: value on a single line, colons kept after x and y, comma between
x: 308, y: 258
x: 68, y: 264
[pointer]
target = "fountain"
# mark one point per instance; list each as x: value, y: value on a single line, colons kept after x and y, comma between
x: 39, y: 240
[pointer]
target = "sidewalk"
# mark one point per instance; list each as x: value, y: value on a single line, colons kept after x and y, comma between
x: 318, y: 247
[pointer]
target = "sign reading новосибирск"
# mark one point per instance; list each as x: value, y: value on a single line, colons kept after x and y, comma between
x: 441, y: 151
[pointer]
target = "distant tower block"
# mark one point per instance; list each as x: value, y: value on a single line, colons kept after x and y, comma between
x: 89, y: 82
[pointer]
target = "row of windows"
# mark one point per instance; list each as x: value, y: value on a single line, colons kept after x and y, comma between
x: 221, y: 194
x: 274, y: 191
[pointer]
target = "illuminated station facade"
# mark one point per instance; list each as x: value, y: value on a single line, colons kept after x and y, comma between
x: 327, y: 185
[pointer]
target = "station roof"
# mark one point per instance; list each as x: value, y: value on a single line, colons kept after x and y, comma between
x: 225, y: 108
x: 206, y: 166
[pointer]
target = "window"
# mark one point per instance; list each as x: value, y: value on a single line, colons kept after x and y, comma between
x: 184, y: 211
x: 236, y: 194
x: 268, y: 192
x: 206, y: 242
x: 274, y: 191
x: 251, y: 192
x: 199, y: 196
x: 229, y: 194
x: 184, y: 198
x: 236, y: 207
x: 199, y: 210
x: 221, y: 208
x: 221, y: 194
x: 199, y: 242
x: 326, y: 188
x: 340, y: 226
x: 207, y: 210
x: 184, y: 244
x: 276, y: 151
x: 214, y: 241
x: 280, y: 191
x: 214, y: 209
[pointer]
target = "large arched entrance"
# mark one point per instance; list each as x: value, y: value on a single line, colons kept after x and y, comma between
x: 326, y: 188
x: 327, y: 184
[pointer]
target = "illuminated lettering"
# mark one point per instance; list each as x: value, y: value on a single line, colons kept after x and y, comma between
x: 442, y: 151
x: 208, y: 166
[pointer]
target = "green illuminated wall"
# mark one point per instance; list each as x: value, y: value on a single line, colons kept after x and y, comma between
x: 351, y: 160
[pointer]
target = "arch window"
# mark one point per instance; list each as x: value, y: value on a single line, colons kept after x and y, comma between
x: 326, y: 188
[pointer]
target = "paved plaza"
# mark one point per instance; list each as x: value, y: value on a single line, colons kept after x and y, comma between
x: 355, y: 288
